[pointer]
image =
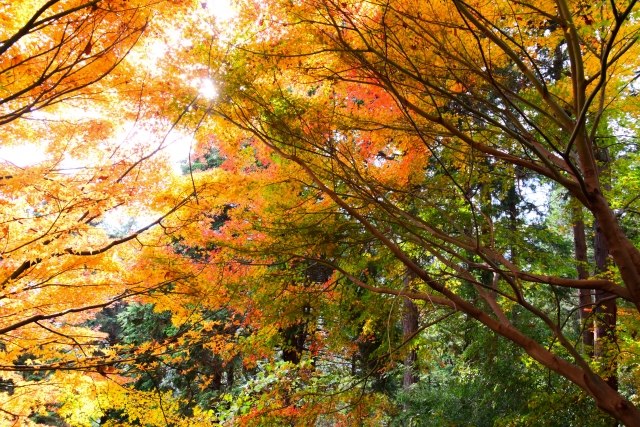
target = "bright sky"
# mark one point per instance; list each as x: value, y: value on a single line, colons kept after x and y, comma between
x: 23, y: 155
x: 177, y: 147
x: 220, y: 8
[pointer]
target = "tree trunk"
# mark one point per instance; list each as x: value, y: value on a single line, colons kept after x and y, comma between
x: 606, y: 311
x: 409, y: 328
x: 606, y: 306
x: 294, y: 338
x: 512, y: 205
x: 585, y: 299
x: 230, y: 376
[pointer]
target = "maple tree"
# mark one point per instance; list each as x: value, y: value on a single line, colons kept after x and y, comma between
x: 78, y: 87
x: 367, y: 170
x: 395, y: 115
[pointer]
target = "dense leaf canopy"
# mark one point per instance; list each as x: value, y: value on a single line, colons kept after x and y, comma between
x: 389, y: 213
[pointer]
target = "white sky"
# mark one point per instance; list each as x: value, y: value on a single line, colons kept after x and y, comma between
x: 221, y: 9
x: 23, y: 155
x: 176, y: 148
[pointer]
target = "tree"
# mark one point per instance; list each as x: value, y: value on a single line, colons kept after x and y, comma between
x: 393, y: 115
x: 378, y: 140
x: 64, y: 65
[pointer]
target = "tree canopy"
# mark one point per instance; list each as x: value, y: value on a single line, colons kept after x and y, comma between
x: 390, y: 213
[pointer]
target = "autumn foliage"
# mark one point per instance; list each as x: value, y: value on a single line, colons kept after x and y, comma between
x: 361, y: 168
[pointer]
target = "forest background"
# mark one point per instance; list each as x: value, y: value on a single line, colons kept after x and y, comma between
x: 399, y: 212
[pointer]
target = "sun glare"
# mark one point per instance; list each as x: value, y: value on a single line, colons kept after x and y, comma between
x: 221, y: 9
x: 206, y: 88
